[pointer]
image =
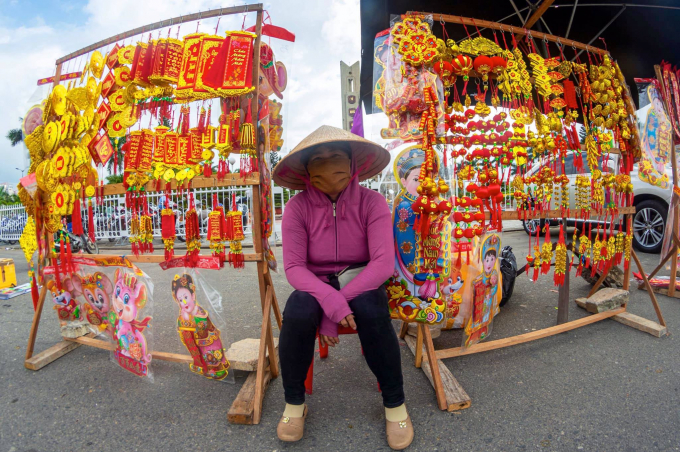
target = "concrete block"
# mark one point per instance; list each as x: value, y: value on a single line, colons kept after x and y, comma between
x: 606, y: 300
x: 242, y: 355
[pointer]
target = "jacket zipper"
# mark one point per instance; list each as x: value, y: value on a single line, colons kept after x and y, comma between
x: 335, y: 224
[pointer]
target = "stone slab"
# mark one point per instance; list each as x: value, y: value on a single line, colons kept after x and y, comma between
x: 242, y: 355
x: 435, y: 331
x: 604, y: 300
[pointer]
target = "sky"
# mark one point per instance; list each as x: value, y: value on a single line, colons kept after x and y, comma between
x: 34, y: 33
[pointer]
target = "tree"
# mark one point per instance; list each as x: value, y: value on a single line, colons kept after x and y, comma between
x: 117, y: 144
x: 274, y: 158
x: 15, y: 136
x: 582, y: 135
x: 114, y: 179
x: 7, y: 199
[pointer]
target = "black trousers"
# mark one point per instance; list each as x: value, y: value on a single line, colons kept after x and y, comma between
x: 301, y: 319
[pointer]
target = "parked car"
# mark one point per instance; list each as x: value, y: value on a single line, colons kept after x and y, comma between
x: 649, y: 222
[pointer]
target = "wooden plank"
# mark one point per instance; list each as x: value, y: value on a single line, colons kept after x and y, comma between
x: 434, y: 368
x: 456, y: 397
x: 36, y: 322
x: 527, y: 337
x: 640, y: 323
x: 158, y: 258
x: 662, y: 263
x: 162, y: 24
x: 538, y: 13
x: 659, y: 290
x: 632, y: 320
x: 230, y: 180
x: 243, y: 408
x: 53, y: 353
x: 520, y: 31
x: 655, y: 303
x: 275, y: 301
x: 161, y: 356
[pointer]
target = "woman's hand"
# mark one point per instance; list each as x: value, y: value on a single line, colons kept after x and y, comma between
x: 348, y: 322
x: 329, y: 340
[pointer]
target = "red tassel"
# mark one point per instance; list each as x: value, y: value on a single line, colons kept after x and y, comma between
x: 76, y: 220
x: 90, y: 221
x: 34, y: 293
x: 207, y: 170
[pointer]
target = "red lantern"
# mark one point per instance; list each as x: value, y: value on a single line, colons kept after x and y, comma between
x: 462, y: 65
x: 482, y: 65
x: 498, y: 65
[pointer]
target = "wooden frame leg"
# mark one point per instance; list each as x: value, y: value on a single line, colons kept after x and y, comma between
x: 404, y: 330
x: 36, y: 322
x: 650, y: 289
x: 264, y: 337
x: 599, y: 282
x: 419, y: 345
x: 434, y: 367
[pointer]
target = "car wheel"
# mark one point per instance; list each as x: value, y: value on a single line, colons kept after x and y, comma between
x: 649, y: 224
x: 531, y: 225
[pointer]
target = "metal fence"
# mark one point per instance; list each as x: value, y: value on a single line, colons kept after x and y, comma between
x: 111, y: 219
x: 12, y: 222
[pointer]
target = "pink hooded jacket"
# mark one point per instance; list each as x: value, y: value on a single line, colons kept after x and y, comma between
x: 321, y: 238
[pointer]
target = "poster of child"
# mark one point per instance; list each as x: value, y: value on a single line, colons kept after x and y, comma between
x: 656, y: 137
x: 407, y: 281
x: 483, y: 290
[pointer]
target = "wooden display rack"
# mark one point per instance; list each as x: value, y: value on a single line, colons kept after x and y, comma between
x: 247, y: 408
x: 672, y: 254
x: 450, y: 395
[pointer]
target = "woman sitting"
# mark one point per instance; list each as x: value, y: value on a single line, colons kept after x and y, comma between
x: 338, y: 251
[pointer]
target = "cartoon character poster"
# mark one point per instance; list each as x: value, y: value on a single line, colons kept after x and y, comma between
x: 656, y: 136
x: 68, y: 308
x: 132, y: 302
x: 198, y: 331
x: 414, y: 295
x: 483, y: 290
x: 95, y: 289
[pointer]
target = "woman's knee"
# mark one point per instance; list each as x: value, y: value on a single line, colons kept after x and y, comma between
x: 302, y: 306
x: 371, y: 304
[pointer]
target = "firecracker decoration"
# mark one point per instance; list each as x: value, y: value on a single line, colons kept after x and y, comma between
x: 248, y: 145
x: 168, y: 231
x: 546, y: 252
x: 234, y: 234
x: 217, y: 230
x: 192, y: 232
x: 135, y: 235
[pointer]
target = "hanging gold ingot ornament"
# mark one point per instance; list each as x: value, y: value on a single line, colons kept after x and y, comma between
x: 479, y: 46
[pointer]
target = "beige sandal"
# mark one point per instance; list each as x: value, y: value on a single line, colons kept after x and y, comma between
x: 291, y: 428
x: 399, y: 434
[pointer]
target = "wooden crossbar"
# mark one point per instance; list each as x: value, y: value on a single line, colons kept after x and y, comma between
x: 257, y: 7
x: 230, y: 180
x: 517, y: 30
x: 527, y: 337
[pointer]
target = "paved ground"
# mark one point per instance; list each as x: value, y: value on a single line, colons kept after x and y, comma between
x: 604, y: 387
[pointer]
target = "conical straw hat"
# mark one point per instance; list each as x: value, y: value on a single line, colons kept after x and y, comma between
x: 370, y: 158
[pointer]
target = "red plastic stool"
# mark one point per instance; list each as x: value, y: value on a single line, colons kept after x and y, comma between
x: 323, y: 354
